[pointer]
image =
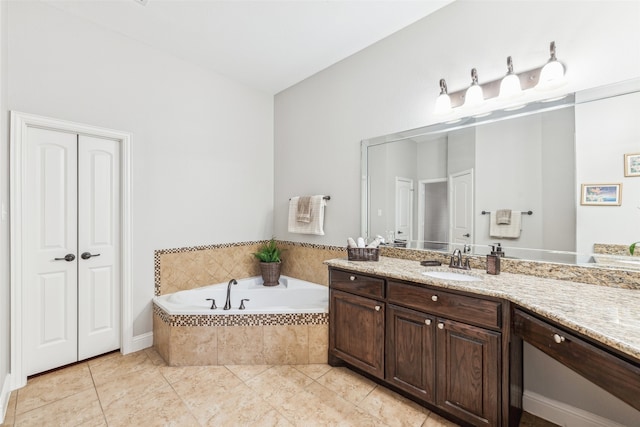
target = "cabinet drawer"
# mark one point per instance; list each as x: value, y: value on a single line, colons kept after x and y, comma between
x: 356, y: 283
x: 614, y: 374
x: 458, y: 307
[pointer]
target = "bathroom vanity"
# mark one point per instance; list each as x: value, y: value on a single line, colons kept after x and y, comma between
x: 456, y: 347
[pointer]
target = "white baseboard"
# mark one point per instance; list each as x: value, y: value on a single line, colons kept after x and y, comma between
x: 4, y: 397
x: 142, y: 341
x: 561, y: 413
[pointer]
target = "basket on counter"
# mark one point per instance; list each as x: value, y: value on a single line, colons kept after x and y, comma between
x: 363, y: 254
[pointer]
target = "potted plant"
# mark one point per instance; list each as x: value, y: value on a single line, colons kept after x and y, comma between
x: 270, y: 264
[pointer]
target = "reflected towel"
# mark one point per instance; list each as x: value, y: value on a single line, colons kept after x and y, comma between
x: 503, y: 216
x: 316, y: 222
x: 505, y: 231
x: 303, y: 210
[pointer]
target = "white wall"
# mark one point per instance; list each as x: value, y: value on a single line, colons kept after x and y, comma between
x: 202, y: 147
x: 5, y: 295
x: 392, y: 86
x: 606, y: 130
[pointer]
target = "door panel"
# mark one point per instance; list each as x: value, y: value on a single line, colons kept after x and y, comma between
x: 462, y: 208
x: 99, y: 235
x: 404, y: 208
x: 50, y: 286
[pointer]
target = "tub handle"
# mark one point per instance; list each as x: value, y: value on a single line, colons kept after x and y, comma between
x: 213, y: 303
x: 242, y: 307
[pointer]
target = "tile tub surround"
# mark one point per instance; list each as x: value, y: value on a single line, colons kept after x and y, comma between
x: 274, y: 339
x: 605, y: 314
x: 192, y: 267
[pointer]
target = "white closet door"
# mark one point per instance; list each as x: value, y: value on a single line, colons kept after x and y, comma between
x: 99, y: 243
x: 50, y: 281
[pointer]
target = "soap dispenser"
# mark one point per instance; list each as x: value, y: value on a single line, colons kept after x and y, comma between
x: 497, y: 250
x: 493, y: 260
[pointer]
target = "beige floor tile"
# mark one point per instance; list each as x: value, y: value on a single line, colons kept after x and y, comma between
x: 316, y: 405
x: 360, y: 418
x: 347, y: 384
x: 72, y: 410
x: 393, y: 409
x: 246, y: 372
x: 160, y: 408
x: 279, y: 383
x: 272, y: 419
x: 314, y: 371
x: 173, y: 374
x: 105, y: 370
x: 239, y: 407
x: 204, y: 394
x: 136, y: 385
x: 435, y: 420
x: 53, y: 386
x: 10, y: 415
x: 98, y: 421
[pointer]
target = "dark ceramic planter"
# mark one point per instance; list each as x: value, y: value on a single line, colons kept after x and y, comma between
x: 270, y: 273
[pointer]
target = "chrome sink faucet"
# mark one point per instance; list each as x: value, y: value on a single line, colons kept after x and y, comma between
x: 456, y: 261
x: 227, y: 304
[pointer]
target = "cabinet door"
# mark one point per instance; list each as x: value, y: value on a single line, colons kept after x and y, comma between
x: 468, y: 365
x: 411, y: 351
x: 357, y: 331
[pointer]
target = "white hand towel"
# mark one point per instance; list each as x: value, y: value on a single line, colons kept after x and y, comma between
x: 503, y: 216
x: 505, y: 231
x: 316, y: 222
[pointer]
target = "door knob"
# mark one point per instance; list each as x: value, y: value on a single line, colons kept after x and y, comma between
x: 87, y: 255
x: 466, y: 235
x: 67, y: 257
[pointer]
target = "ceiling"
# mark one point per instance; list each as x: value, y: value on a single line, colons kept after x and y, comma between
x: 267, y: 45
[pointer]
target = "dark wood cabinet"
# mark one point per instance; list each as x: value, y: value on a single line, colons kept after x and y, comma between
x: 468, y: 366
x: 443, y: 348
x: 411, y: 348
x: 357, y: 331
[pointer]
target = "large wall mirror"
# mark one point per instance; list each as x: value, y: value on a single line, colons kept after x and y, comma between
x: 439, y: 187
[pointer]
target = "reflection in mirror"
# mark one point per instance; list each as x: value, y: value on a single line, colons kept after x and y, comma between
x: 427, y: 188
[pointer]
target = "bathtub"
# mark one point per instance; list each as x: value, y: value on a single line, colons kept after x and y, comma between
x: 281, y: 325
x: 290, y: 296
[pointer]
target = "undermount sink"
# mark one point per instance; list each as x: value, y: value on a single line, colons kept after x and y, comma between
x: 451, y: 275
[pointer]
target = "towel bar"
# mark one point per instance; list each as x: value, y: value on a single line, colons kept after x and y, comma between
x: 325, y: 198
x: 522, y: 212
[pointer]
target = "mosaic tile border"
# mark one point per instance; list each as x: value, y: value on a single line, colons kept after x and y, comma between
x: 289, y: 319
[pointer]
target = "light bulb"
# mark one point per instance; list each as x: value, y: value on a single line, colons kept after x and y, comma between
x: 552, y: 74
x: 474, y: 95
x: 510, y: 84
x: 443, y: 103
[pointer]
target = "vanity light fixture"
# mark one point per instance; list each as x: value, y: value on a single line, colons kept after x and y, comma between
x: 512, y: 91
x: 443, y: 103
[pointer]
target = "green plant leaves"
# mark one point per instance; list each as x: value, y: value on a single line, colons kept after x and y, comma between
x: 269, y: 252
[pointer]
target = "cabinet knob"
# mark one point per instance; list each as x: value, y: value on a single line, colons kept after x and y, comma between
x: 352, y: 278
x: 377, y: 308
x: 434, y: 298
x: 427, y: 321
x: 558, y: 338
x: 440, y: 325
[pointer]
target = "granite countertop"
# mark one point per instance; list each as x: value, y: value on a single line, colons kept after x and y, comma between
x: 606, y: 314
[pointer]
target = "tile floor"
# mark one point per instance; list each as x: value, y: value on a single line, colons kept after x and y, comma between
x: 139, y: 389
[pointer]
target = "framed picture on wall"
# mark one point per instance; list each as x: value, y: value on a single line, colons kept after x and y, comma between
x: 632, y: 164
x: 601, y: 194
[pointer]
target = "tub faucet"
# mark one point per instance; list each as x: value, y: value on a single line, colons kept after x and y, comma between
x: 227, y: 304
